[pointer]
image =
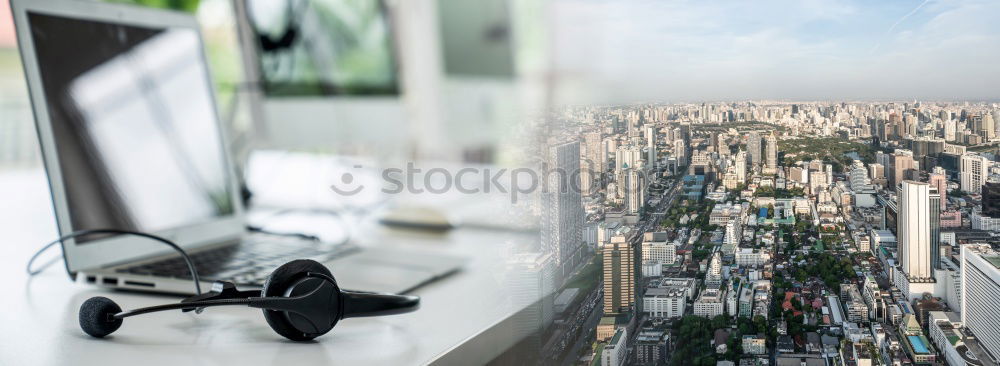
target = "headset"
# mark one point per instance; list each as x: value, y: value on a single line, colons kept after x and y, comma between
x: 290, y: 29
x: 300, y: 299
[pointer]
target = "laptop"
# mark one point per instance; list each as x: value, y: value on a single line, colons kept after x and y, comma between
x: 131, y: 139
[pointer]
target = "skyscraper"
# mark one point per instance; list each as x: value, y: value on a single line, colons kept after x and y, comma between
x: 562, y: 215
x: 902, y: 160
x: 772, y: 152
x: 741, y: 167
x: 627, y: 157
x: 973, y: 172
x: 914, y: 231
x: 650, y: 145
x: 949, y: 130
x: 989, y: 130
x: 619, y: 273
x: 939, y: 181
x: 635, y: 190
x: 753, y: 146
x: 981, y: 294
x: 991, y: 198
x: 680, y: 151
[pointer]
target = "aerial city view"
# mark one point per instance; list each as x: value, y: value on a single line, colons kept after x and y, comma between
x: 778, y: 233
x: 500, y: 182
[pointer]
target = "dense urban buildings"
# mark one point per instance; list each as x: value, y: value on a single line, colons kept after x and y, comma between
x: 752, y: 233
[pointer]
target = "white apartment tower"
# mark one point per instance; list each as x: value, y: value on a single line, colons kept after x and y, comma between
x: 973, y: 173
x: 981, y: 294
x: 650, y: 145
x: 741, y: 167
x: 914, y: 230
x: 635, y: 190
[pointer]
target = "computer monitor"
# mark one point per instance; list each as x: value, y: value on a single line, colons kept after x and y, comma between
x: 326, y: 72
x: 441, y: 84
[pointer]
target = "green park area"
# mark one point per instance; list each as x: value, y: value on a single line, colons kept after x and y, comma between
x: 831, y: 150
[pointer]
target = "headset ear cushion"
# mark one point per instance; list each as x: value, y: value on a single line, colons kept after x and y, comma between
x: 276, y: 284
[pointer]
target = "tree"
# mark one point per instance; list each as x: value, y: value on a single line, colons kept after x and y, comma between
x: 761, y: 324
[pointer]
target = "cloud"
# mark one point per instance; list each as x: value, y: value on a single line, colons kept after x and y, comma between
x: 654, y: 50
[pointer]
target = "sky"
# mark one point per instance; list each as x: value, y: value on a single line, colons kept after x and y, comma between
x: 675, y: 51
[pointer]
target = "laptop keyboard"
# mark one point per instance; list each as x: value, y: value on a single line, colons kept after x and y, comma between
x: 246, y: 263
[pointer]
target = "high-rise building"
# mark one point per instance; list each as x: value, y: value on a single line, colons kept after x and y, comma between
x: 656, y: 248
x: 627, y: 157
x: 914, y: 232
x: 741, y: 167
x: 939, y: 181
x: 650, y: 145
x: 713, y: 279
x: 592, y: 162
x: 635, y: 190
x: 753, y: 146
x: 680, y: 151
x: 949, y: 130
x: 981, y: 294
x: 902, y: 160
x: 989, y: 130
x: 619, y: 274
x: 974, y: 169
x: 722, y: 145
x: 563, y: 215
x: 991, y: 198
x: 615, y: 353
x: 772, y: 152
x: 532, y: 285
x: 876, y: 171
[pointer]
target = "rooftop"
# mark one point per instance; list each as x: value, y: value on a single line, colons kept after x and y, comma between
x: 993, y: 259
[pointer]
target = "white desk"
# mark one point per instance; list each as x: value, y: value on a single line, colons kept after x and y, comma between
x: 464, y: 319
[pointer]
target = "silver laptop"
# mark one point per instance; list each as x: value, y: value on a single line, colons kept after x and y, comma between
x: 131, y: 139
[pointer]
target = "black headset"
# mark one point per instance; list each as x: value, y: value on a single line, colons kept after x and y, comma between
x: 289, y: 34
x: 301, y: 301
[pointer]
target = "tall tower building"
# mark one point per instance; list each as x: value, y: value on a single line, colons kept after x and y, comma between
x: 722, y: 145
x: 531, y: 283
x: 627, y: 157
x: 650, y: 146
x: 989, y: 130
x: 950, y: 127
x: 713, y: 278
x: 902, y: 160
x: 772, y: 152
x: 562, y: 215
x: 914, y: 230
x: 619, y: 273
x: 635, y: 190
x: 753, y: 146
x: 991, y: 198
x: 981, y: 294
x: 876, y: 171
x: 939, y: 181
x: 973, y: 172
x: 741, y: 167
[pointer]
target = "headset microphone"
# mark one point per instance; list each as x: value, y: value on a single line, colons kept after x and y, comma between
x: 97, y: 316
x: 300, y: 300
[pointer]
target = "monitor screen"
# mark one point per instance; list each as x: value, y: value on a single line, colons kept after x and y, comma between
x: 134, y: 123
x: 324, y: 47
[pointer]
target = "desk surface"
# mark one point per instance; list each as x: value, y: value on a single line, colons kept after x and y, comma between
x: 465, y: 318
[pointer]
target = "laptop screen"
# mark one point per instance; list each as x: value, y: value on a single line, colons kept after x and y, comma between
x: 134, y: 124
